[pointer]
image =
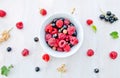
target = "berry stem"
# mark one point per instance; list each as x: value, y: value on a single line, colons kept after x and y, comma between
x: 10, y: 29
x: 102, y: 11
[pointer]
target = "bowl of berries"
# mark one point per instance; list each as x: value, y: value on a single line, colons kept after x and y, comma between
x: 61, y: 35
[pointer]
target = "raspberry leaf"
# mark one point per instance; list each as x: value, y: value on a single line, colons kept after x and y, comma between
x: 114, y: 35
x: 94, y: 28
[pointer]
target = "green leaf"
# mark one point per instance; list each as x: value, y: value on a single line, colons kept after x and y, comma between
x: 5, y: 71
x: 94, y: 28
x: 114, y: 35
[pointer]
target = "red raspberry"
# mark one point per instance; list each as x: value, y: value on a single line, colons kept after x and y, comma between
x: 89, y: 21
x: 56, y: 44
x: 73, y: 40
x: 25, y: 52
x: 43, y: 12
x: 49, y: 28
x: 54, y: 31
x: 62, y: 43
x: 71, y: 30
x: 66, y: 22
x: 59, y: 49
x: 59, y: 23
x: 19, y: 25
x: 113, y: 55
x: 2, y: 13
x: 61, y: 36
x: 67, y: 48
x: 52, y: 41
x: 90, y: 52
x: 48, y: 36
x: 46, y: 57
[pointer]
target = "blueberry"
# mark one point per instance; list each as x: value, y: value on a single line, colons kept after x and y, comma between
x: 37, y: 69
x: 111, y: 18
x: 102, y: 16
x: 75, y: 33
x: 96, y: 70
x: 112, y: 15
x: 115, y: 18
x: 9, y: 49
x: 64, y: 27
x: 108, y: 13
x: 55, y: 35
x: 111, y: 21
x: 71, y: 24
x: 61, y: 19
x: 36, y: 39
x: 53, y: 25
x: 71, y: 45
x: 54, y: 20
x: 59, y: 30
x: 106, y: 19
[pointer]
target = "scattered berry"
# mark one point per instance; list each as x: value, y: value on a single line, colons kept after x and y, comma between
x: 25, y: 52
x: 102, y: 16
x: 90, y: 52
x: 9, y: 49
x: 19, y: 25
x: 2, y: 13
x: 37, y: 69
x: 96, y: 70
x: 43, y: 12
x: 46, y: 57
x: 36, y: 39
x: 108, y: 13
x: 89, y: 21
x: 113, y: 55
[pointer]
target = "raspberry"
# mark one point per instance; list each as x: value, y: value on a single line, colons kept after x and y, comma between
x: 2, y: 13
x: 90, y: 52
x: 48, y: 36
x: 67, y: 48
x: 66, y: 22
x: 43, y: 12
x: 52, y: 41
x: 49, y: 28
x: 59, y: 23
x: 19, y: 25
x: 73, y: 40
x: 59, y: 49
x: 25, y: 52
x: 113, y: 55
x: 61, y: 36
x: 71, y: 30
x: 62, y: 43
x: 89, y: 21
x: 46, y: 57
x: 56, y: 43
x: 54, y: 31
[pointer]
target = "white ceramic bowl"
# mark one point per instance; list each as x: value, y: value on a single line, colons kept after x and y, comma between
x: 74, y: 49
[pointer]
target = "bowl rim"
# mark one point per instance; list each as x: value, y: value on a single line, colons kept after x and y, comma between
x: 48, y: 49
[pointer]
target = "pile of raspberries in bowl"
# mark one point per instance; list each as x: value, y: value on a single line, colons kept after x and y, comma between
x: 61, y: 35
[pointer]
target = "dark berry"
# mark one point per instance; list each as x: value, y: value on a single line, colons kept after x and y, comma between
x: 75, y: 33
x: 96, y: 70
x: 53, y: 25
x: 55, y: 35
x: 37, y: 69
x: 59, y: 30
x: 71, y: 45
x: 112, y: 15
x: 64, y: 27
x: 54, y: 20
x: 115, y: 18
x: 111, y: 21
x: 61, y: 19
x: 9, y: 49
x: 102, y: 16
x: 106, y: 19
x: 71, y: 24
x: 36, y: 39
x: 108, y: 13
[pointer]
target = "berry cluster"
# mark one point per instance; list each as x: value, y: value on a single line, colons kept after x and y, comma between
x: 108, y: 17
x: 61, y: 34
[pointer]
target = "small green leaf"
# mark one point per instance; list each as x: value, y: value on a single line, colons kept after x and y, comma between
x: 114, y: 35
x: 94, y: 28
x: 5, y: 71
